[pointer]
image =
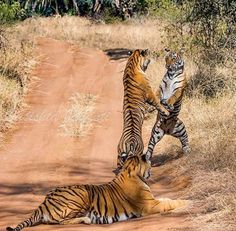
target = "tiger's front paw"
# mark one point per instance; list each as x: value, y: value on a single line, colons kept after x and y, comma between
x: 170, y: 107
x: 186, y: 150
x: 166, y: 105
x: 163, y: 111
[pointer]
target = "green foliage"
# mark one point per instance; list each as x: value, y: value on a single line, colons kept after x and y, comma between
x: 109, y: 17
x: 212, y: 21
x: 209, y: 24
x: 167, y: 9
x: 51, y: 7
x: 85, y: 7
x: 10, y: 11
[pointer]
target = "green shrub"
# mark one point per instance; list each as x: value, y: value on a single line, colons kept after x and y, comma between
x: 167, y: 9
x: 10, y: 11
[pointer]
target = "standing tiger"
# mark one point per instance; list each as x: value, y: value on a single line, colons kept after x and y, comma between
x: 137, y: 92
x: 171, y: 92
x: 127, y: 196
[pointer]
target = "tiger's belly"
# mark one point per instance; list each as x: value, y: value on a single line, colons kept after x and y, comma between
x: 96, y: 219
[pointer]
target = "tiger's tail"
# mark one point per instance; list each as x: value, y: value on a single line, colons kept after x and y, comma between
x: 35, y: 219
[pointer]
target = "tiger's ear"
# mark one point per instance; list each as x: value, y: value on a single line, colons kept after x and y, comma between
x: 144, y: 52
x: 167, y: 50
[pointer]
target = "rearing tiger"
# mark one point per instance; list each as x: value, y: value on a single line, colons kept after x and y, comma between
x: 127, y: 196
x: 137, y: 92
x: 171, y: 92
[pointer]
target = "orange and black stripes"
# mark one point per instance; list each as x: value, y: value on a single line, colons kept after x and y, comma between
x: 97, y: 204
x: 137, y: 92
x: 125, y: 197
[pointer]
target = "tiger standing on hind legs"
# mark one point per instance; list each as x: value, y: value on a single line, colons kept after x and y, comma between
x: 127, y: 196
x: 171, y: 93
x: 137, y: 92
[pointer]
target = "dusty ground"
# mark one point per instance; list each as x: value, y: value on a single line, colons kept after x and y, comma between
x: 37, y: 156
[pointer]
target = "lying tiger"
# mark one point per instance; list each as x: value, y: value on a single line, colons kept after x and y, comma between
x: 127, y: 196
x: 171, y: 93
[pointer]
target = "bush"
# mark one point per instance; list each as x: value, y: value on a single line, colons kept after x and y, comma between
x: 10, y: 11
x: 209, y: 82
x: 167, y: 9
x: 212, y: 21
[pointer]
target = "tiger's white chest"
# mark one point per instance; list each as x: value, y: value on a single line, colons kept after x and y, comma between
x: 168, y: 87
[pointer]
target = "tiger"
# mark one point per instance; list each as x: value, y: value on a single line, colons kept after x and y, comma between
x: 127, y: 196
x: 171, y: 92
x: 137, y: 92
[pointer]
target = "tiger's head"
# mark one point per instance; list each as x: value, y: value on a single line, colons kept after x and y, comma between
x: 141, y: 57
x: 137, y: 166
x: 174, y: 60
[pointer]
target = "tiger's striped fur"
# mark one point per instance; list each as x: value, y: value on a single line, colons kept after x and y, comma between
x: 171, y: 93
x: 137, y: 92
x: 127, y: 196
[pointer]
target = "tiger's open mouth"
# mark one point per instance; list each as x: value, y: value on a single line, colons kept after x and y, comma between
x: 148, y: 175
x: 116, y: 171
x: 171, y: 67
x: 145, y: 64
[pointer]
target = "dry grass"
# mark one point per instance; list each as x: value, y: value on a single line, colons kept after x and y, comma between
x: 85, y: 33
x: 15, y: 64
x: 211, y: 81
x: 212, y: 126
x: 79, y: 118
x: 9, y: 101
x: 212, y: 131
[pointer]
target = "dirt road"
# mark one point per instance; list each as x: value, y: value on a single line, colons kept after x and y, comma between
x: 37, y: 156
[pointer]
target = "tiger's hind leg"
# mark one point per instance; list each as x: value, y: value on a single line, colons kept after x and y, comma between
x: 180, y: 132
x: 77, y: 220
x: 156, y: 136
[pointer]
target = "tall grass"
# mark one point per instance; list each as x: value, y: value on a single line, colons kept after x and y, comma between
x: 15, y: 64
x: 9, y: 101
x: 86, y: 33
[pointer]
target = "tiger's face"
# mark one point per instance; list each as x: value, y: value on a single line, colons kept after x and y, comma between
x: 174, y: 60
x: 145, y: 166
x: 142, y: 57
x: 138, y: 165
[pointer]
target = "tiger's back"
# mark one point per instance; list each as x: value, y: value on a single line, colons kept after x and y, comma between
x: 101, y: 204
x: 137, y: 92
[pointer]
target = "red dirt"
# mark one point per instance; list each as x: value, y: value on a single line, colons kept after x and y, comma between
x: 38, y: 157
